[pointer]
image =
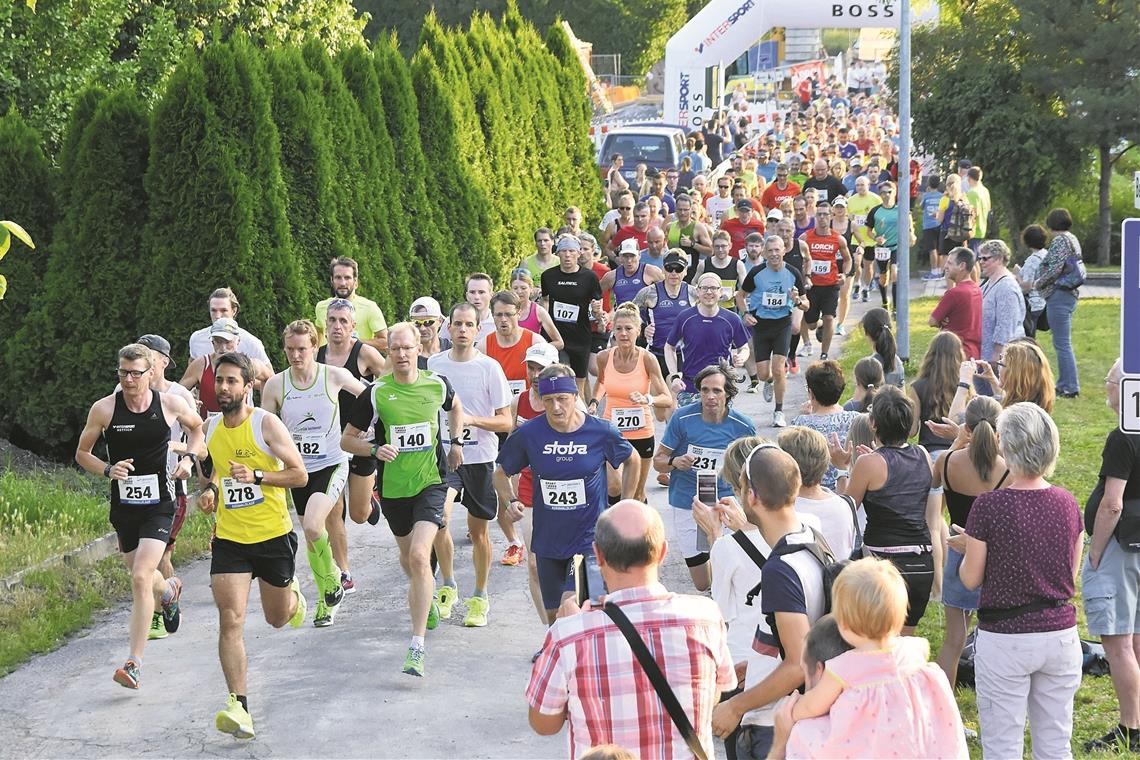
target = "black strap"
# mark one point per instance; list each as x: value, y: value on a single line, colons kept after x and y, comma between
x: 995, y: 614
x: 857, y: 548
x: 749, y: 548
x: 660, y: 685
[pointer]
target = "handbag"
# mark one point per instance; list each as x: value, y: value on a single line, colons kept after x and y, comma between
x: 657, y: 678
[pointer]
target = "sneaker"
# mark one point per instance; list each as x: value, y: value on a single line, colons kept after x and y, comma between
x: 793, y: 366
x: 128, y: 675
x: 302, y: 606
x: 1116, y: 740
x: 477, y: 608
x: 931, y: 276
x: 839, y: 330
x: 347, y: 584
x: 157, y: 629
x: 324, y: 615
x: 171, y: 612
x: 778, y: 420
x: 234, y: 720
x: 753, y: 388
x: 514, y: 555
x: 823, y: 357
x: 1068, y: 394
x: 855, y: 291
x: 433, y: 616
x: 663, y: 478
x: 374, y: 515
x: 414, y: 662
x: 445, y: 597
x: 866, y: 293
x: 769, y: 391
x: 805, y: 350
x: 334, y: 596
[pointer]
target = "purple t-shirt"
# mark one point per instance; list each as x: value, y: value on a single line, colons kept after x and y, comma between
x: 706, y: 340
x: 1029, y: 537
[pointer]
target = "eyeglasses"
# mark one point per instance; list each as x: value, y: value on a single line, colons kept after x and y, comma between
x: 984, y: 258
x: 135, y: 373
x: 675, y: 268
x: 504, y: 314
x: 709, y: 288
x: 724, y: 187
x: 424, y: 322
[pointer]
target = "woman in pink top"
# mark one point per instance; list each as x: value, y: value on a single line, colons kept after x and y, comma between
x: 532, y: 316
x: 883, y: 698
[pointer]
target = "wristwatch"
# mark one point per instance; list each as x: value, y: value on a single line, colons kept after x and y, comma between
x: 107, y: 470
x: 258, y: 476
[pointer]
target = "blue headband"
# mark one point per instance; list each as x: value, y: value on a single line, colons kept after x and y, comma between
x: 562, y: 384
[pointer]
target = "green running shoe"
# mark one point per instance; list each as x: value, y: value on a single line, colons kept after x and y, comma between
x: 414, y: 662
x: 234, y: 719
x: 477, y: 608
x: 445, y: 597
x: 298, y: 618
x: 157, y: 628
x: 433, y: 616
x: 324, y: 614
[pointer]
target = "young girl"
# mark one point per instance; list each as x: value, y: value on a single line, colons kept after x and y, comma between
x: 877, y: 327
x: 883, y: 698
x: 868, y: 377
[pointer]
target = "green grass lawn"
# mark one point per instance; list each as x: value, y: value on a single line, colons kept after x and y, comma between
x: 1083, y: 423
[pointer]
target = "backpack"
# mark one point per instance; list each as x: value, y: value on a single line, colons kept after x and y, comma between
x: 962, y: 221
x: 826, y: 558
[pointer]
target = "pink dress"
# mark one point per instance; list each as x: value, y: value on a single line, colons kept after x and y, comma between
x: 894, y: 704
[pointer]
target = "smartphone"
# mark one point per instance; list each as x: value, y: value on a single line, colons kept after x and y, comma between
x: 588, y: 581
x: 707, y: 493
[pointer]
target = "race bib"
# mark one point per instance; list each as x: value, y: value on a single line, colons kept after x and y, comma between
x: 416, y: 437
x: 468, y: 436
x: 774, y: 300
x: 139, y: 490
x: 705, y: 458
x: 821, y: 266
x: 628, y: 419
x: 882, y: 253
x: 238, y: 495
x: 310, y: 445
x: 859, y: 220
x: 566, y: 312
x: 563, y: 495
x: 820, y: 196
x: 517, y: 386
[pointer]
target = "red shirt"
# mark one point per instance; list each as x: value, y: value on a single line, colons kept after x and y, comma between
x: 740, y: 231
x: 600, y: 270
x: 627, y: 232
x: 824, y: 250
x: 960, y: 312
x: 774, y: 196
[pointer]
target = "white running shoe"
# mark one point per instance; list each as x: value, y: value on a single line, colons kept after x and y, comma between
x: 769, y: 393
x: 778, y: 420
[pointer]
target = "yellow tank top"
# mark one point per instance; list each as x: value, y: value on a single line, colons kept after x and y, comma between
x: 247, y: 513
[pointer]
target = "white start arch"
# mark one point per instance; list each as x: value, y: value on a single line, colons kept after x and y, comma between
x: 724, y: 29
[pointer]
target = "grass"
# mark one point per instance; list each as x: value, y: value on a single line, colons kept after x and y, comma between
x: 1083, y: 424
x: 43, y: 515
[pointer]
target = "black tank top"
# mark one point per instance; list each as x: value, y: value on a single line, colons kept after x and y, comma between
x: 794, y: 257
x: 345, y: 399
x: 145, y: 438
x: 896, y: 513
x: 959, y: 504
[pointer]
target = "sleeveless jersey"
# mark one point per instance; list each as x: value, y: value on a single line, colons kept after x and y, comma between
x: 728, y: 283
x: 145, y: 438
x: 794, y: 256
x: 247, y: 513
x: 673, y: 237
x: 512, y: 359
x: 345, y: 398
x: 627, y: 286
x: 531, y: 321
x: 664, y: 314
x: 313, y: 418
x: 824, y: 250
x: 634, y: 421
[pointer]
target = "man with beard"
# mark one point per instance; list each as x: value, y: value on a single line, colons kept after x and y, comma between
x: 370, y: 325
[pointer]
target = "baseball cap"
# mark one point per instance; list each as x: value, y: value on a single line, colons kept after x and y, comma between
x: 568, y: 243
x: 425, y: 306
x: 542, y: 353
x: 629, y: 245
x: 776, y: 215
x: 675, y: 258
x: 744, y: 203
x: 224, y: 328
x: 159, y: 344
x: 840, y: 201
x: 856, y: 161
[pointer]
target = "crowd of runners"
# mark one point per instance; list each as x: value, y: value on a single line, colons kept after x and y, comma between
x: 534, y: 403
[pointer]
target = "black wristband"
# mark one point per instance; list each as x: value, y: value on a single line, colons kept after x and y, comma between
x: 964, y: 386
x: 107, y: 470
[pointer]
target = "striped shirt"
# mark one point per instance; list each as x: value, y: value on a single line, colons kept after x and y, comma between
x: 588, y: 670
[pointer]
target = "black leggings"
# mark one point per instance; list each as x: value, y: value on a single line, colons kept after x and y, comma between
x: 917, y: 571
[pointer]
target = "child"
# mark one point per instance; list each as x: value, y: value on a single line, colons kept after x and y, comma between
x: 876, y: 326
x: 885, y: 676
x: 868, y: 377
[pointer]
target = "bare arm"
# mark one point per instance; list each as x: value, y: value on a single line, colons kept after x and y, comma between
x: 292, y: 473
x: 501, y: 422
x: 545, y: 725
x: 342, y: 378
x: 817, y: 700
x: 192, y: 376
x: 379, y: 340
x: 372, y: 363
x: 702, y: 239
x: 98, y: 418
x: 973, y: 568
x: 550, y: 328
x: 1107, y: 516
x: 271, y: 395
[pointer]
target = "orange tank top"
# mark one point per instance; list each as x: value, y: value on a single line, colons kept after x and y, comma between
x: 512, y: 358
x: 824, y: 250
x: 634, y: 421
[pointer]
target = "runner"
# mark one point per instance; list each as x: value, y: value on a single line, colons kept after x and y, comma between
x: 708, y: 334
x: 226, y: 337
x: 426, y: 316
x: 842, y: 225
x: 479, y: 287
x: 572, y: 294
x: 631, y: 382
x: 223, y: 304
x: 768, y: 297
x: 363, y: 362
x: 797, y: 256
x: 663, y: 301
x: 718, y: 205
x: 829, y: 260
x: 305, y: 396
x: 654, y: 252
x: 370, y: 324
x: 135, y: 424
x: 534, y: 316
x: 781, y: 190
x: 883, y: 224
x: 565, y: 449
x: 507, y: 346
x: 630, y: 277
x: 402, y: 408
x: 695, y: 439
x: 746, y: 221
x: 481, y: 386
x: 637, y: 231
x: 623, y: 217
x: 254, y: 460
x: 728, y: 269
x: 690, y: 235
x: 542, y: 259
x: 859, y: 206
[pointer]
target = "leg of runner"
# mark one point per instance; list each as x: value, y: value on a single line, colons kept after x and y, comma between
x: 532, y: 567
x: 147, y: 589
x: 448, y: 592
x: 326, y: 575
x: 828, y: 332
x: 868, y: 274
x: 779, y: 385
x: 481, y: 559
x: 844, y: 300
x: 507, y: 525
x: 231, y: 595
x: 415, y: 548
x: 894, y: 276
x: 338, y: 541
x: 360, y: 496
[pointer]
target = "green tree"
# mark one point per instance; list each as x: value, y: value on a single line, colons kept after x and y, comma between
x: 74, y: 330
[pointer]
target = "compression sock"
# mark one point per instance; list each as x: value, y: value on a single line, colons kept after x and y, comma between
x: 793, y: 346
x: 241, y: 698
x: 895, y: 294
x: 779, y: 407
x: 613, y: 499
x: 322, y: 564
x: 883, y: 294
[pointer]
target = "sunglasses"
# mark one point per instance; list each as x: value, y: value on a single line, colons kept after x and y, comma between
x: 424, y: 322
x: 675, y: 268
x: 984, y: 258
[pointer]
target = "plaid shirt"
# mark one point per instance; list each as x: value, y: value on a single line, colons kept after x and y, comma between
x: 588, y: 669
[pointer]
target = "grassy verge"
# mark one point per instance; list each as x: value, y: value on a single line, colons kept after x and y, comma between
x: 42, y: 516
x: 1083, y: 423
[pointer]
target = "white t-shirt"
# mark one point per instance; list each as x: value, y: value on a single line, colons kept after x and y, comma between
x: 836, y: 521
x: 734, y: 574
x: 482, y: 388
x: 250, y: 345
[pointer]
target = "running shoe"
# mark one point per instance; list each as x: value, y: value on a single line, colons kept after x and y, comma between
x: 157, y: 629
x: 1119, y: 739
x: 334, y: 595
x: 374, y: 515
x: 805, y: 350
x: 931, y: 276
x: 234, y: 719
x: 445, y: 597
x: 346, y: 583
x: 324, y: 615
x: 433, y: 616
x: 514, y: 555
x: 477, y: 608
x: 753, y: 388
x: 171, y: 612
x: 414, y: 662
x: 769, y: 391
x: 823, y: 357
x: 128, y: 675
x: 302, y: 607
x: 866, y: 293
x: 855, y: 292
x: 794, y: 366
x: 778, y: 420
x: 839, y: 330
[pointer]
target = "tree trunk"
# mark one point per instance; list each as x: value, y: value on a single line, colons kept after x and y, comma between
x: 1104, y: 213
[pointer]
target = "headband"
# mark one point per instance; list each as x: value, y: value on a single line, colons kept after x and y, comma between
x: 561, y: 384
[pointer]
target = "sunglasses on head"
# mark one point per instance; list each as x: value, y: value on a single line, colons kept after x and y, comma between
x: 429, y: 322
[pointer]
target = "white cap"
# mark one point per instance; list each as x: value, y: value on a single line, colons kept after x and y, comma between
x: 542, y: 353
x: 776, y: 215
x: 425, y: 306
x: 629, y: 245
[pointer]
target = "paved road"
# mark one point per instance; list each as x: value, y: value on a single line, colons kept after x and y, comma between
x: 334, y: 692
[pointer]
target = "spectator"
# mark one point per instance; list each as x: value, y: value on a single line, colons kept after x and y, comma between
x: 1025, y: 541
x: 1061, y: 300
x: 1110, y: 578
x: 932, y: 392
x: 952, y: 233
x: 1036, y: 319
x: 979, y: 197
x: 615, y: 182
x: 892, y: 484
x: 836, y: 514
x: 1026, y: 376
x: 686, y: 174
x: 979, y: 468
x: 587, y: 672
x: 877, y: 327
x: 714, y: 136
x: 868, y: 377
x: 960, y: 309
x: 825, y: 385
x: 884, y: 675
x: 641, y: 184
x: 1003, y: 307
